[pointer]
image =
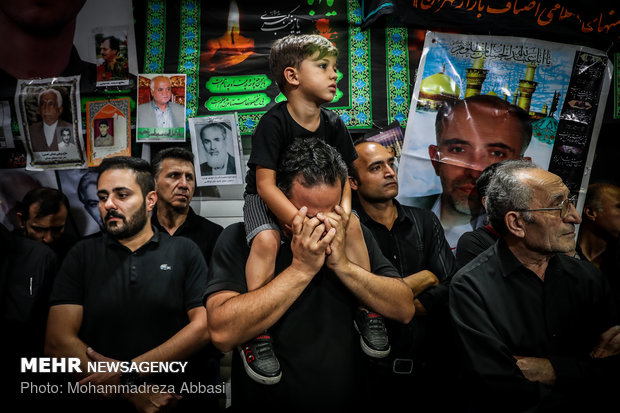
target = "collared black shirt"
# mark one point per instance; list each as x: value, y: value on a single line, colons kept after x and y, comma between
x: 134, y: 301
x: 199, y: 229
x: 502, y: 309
x: 416, y: 242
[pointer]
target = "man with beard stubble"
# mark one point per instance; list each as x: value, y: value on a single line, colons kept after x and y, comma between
x: 133, y: 294
x: 218, y: 160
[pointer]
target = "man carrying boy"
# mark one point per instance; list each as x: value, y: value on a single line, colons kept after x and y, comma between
x: 305, y: 71
x: 311, y: 302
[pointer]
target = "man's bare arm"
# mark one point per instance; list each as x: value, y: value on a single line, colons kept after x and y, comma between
x: 235, y: 318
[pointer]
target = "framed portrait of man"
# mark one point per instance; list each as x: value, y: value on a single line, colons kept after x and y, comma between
x: 216, y: 143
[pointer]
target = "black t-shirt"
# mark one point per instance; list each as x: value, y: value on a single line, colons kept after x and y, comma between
x: 315, y: 341
x: 277, y: 130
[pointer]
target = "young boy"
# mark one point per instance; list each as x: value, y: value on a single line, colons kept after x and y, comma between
x: 305, y: 71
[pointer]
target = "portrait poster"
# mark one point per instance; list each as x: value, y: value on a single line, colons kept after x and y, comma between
x: 80, y: 187
x: 50, y: 121
x: 216, y: 143
x: 109, y: 129
x: 562, y: 87
x: 391, y: 138
x: 110, y: 46
x: 161, y: 108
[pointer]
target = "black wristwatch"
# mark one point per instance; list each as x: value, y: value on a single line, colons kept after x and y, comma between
x: 130, y: 378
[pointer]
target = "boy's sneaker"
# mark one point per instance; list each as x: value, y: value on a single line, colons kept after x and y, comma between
x: 260, y: 361
x: 373, y: 334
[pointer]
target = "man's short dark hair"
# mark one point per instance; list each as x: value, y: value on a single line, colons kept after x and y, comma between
x: 181, y: 154
x: 314, y: 162
x: 50, y: 201
x: 142, y: 168
x: 447, y: 108
x: 220, y: 125
x: 507, y: 192
x: 115, y: 43
x: 103, y: 122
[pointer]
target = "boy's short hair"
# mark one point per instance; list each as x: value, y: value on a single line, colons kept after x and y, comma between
x: 290, y: 51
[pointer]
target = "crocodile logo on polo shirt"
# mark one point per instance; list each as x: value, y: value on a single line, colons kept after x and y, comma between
x: 165, y: 267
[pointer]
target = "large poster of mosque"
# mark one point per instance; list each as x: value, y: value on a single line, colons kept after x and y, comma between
x: 480, y: 99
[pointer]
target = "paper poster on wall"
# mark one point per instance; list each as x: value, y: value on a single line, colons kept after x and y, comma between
x: 49, y: 117
x: 161, y: 108
x: 216, y: 143
x: 111, y: 53
x: 109, y: 129
x: 473, y: 102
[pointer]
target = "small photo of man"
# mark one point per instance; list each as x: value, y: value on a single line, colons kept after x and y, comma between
x: 112, y: 62
x: 214, y: 138
x: 103, y: 132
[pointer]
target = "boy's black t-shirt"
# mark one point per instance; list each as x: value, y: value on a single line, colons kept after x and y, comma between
x: 277, y: 130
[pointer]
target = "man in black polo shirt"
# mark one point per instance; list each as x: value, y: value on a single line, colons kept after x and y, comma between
x: 134, y: 294
x: 175, y: 184
x: 528, y: 316
x: 309, y: 306
x: 413, y: 240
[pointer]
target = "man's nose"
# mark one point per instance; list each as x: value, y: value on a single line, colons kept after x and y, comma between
x: 573, y: 215
x: 47, y: 236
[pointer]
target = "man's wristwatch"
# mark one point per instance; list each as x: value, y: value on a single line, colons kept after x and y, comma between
x: 130, y: 378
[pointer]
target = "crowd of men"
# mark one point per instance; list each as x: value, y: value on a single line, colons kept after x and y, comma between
x: 523, y: 325
x: 525, y: 321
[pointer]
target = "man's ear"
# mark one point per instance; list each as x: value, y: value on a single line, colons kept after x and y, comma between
x: 433, y: 153
x: 590, y: 213
x: 20, y: 220
x: 290, y: 76
x: 151, y: 200
x: 515, y: 224
x: 353, y: 183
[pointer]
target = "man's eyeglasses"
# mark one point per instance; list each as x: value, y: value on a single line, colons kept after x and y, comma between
x: 564, y: 207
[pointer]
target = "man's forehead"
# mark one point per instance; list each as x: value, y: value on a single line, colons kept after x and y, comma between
x: 170, y: 164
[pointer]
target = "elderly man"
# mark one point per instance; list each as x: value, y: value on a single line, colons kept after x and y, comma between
x: 471, y: 134
x: 528, y: 316
x: 45, y: 135
x: 309, y: 305
x: 412, y: 239
x: 218, y: 161
x: 161, y: 112
x: 133, y: 294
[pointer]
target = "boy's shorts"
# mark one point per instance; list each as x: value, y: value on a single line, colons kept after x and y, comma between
x: 257, y: 217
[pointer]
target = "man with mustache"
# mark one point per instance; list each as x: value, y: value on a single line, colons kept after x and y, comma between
x: 412, y: 240
x: 132, y: 294
x: 527, y: 316
x: 472, y: 134
x: 218, y: 161
x: 175, y: 184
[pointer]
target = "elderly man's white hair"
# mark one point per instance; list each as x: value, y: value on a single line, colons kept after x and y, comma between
x: 50, y: 90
